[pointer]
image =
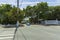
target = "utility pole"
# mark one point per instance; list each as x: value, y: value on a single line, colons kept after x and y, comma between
x: 17, y: 24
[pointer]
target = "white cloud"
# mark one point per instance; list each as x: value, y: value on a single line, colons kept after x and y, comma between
x: 58, y: 2
x: 29, y: 2
x: 25, y: 3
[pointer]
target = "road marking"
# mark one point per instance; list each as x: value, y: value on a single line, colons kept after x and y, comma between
x: 6, y: 37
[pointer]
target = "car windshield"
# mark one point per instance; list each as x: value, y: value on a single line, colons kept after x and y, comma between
x: 29, y: 19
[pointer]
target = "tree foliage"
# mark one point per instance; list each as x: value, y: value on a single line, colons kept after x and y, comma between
x: 9, y: 14
x: 43, y: 11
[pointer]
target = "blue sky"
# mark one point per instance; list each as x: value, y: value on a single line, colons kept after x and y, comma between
x: 30, y: 2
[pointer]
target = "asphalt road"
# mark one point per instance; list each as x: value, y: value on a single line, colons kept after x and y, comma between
x: 33, y: 32
x: 38, y: 32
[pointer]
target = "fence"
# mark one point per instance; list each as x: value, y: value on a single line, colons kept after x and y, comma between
x: 51, y: 22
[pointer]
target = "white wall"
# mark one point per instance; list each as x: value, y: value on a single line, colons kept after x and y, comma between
x: 51, y: 22
x: 58, y: 22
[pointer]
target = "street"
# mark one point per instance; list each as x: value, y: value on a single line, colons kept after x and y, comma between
x: 38, y: 32
x: 6, y: 33
x: 33, y: 32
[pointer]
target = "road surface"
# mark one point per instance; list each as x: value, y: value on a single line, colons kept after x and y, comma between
x: 6, y: 33
x: 33, y: 32
x: 38, y: 32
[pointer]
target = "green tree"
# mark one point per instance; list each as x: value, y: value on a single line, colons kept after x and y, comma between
x: 42, y: 10
x: 9, y: 14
